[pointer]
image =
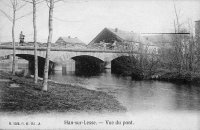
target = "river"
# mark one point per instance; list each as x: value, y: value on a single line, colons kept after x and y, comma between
x: 143, y: 97
x: 138, y: 95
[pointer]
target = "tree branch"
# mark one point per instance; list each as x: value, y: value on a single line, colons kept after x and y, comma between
x: 47, y: 2
x: 27, y: 1
x: 12, y: 2
x: 7, y: 16
x: 32, y: 2
x: 20, y: 7
x: 40, y: 1
x: 177, y: 19
x: 24, y: 15
x: 57, y: 1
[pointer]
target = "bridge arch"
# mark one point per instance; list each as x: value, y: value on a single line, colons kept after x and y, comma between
x: 5, y: 52
x: 124, y: 65
x: 87, y: 57
x: 41, y: 63
x: 118, y: 55
x: 86, y: 64
x: 30, y: 57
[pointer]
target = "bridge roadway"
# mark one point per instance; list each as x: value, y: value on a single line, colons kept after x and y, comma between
x: 62, y: 55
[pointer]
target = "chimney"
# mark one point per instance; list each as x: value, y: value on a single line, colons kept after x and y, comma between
x: 197, y: 32
x: 69, y: 37
x: 116, y: 29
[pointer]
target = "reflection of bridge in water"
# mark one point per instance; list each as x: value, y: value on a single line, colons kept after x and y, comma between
x: 59, y: 57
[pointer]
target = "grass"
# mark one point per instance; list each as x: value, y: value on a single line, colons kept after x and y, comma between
x: 29, y: 98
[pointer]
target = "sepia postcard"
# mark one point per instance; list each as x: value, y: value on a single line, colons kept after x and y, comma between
x: 100, y: 64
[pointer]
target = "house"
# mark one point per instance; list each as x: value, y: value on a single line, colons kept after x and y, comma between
x: 110, y: 38
x: 166, y: 41
x: 161, y: 39
x: 69, y: 42
x: 118, y: 39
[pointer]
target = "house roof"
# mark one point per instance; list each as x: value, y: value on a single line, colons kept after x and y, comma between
x: 126, y: 36
x: 70, y: 40
x: 120, y: 35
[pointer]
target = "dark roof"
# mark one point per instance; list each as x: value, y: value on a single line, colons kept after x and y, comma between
x: 70, y: 40
x: 121, y: 35
x: 126, y: 36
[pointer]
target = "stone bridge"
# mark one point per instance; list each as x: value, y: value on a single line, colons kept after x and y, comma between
x: 61, y: 56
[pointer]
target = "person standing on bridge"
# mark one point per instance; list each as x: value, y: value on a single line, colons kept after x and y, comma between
x: 21, y: 38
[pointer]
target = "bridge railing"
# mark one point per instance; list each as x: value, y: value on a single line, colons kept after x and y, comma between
x: 63, y: 49
x: 72, y: 50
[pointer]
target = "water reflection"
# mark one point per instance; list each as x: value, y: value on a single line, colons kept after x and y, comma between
x: 187, y: 97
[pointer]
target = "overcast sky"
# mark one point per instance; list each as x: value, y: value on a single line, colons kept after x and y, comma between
x: 86, y: 18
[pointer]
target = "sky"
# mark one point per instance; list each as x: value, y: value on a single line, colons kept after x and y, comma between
x: 86, y: 18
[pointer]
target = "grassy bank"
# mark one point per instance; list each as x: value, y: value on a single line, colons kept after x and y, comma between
x: 174, y: 76
x: 29, y: 98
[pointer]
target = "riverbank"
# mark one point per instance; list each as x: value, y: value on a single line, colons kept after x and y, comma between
x: 27, y: 97
x: 174, y: 76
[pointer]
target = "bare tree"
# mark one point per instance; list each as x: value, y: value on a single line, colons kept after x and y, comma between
x: 16, y: 6
x: 177, y: 42
x: 34, y: 3
x: 46, y: 67
x: 35, y: 42
x: 50, y: 4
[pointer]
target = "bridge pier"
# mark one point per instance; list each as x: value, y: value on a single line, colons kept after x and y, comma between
x: 58, y: 67
x: 108, y: 65
x: 68, y: 65
x: 41, y: 63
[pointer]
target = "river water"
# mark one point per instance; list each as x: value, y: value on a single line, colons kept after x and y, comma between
x: 138, y: 95
x: 170, y: 102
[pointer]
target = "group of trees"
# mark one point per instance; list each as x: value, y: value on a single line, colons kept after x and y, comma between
x: 17, y: 5
x: 183, y: 54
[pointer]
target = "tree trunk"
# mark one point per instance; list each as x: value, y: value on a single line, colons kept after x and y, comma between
x: 13, y: 41
x: 35, y: 42
x: 46, y: 68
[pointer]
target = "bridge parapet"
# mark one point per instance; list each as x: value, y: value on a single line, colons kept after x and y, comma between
x: 66, y: 49
x: 61, y: 55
